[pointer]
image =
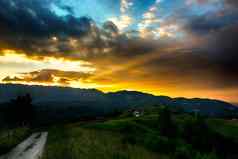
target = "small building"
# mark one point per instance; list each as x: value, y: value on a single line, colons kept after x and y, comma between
x: 136, y: 112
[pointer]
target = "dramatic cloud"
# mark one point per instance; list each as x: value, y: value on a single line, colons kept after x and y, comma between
x: 32, y: 28
x: 166, y: 46
x: 49, y: 77
x: 123, y: 21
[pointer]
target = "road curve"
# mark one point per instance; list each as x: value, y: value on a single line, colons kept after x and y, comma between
x: 31, y: 148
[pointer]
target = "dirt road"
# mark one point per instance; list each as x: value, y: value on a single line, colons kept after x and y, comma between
x: 31, y: 148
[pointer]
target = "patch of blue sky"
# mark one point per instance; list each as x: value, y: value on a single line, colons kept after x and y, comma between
x: 98, y: 10
x: 58, y: 10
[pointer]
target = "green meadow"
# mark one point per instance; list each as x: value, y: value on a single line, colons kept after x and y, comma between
x: 157, y: 134
x: 128, y: 137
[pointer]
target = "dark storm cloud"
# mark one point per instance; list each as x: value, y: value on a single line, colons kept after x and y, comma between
x: 218, y: 34
x: 214, y: 60
x: 209, y: 22
x: 223, y: 48
x: 31, y: 27
x: 206, y: 22
x: 34, y: 18
x: 215, y: 52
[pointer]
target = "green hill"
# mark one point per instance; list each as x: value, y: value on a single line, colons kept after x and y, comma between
x: 180, y: 136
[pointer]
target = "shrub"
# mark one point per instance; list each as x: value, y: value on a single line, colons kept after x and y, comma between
x: 167, y: 126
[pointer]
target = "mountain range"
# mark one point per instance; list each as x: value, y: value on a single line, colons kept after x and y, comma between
x: 65, y: 101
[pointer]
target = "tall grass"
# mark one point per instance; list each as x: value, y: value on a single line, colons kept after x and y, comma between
x: 78, y: 143
x: 127, y: 137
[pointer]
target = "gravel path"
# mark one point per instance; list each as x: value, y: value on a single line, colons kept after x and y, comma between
x: 31, y: 148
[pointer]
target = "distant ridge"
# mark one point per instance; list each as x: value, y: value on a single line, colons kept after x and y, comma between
x: 95, y: 100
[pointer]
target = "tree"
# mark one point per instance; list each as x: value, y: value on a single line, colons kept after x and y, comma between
x: 167, y: 126
x: 197, y: 133
x: 21, y: 110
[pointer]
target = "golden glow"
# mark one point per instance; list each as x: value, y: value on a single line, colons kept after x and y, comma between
x: 13, y: 63
x: 10, y: 56
x: 122, y: 22
x: 106, y: 80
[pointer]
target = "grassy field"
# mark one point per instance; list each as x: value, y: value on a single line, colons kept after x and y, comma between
x: 155, y: 135
x: 75, y: 142
x: 228, y: 128
x: 126, y: 137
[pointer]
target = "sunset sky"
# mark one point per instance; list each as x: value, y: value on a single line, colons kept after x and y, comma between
x: 165, y: 47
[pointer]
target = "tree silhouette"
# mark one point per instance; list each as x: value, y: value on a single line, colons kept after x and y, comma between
x: 167, y: 126
x: 21, y: 110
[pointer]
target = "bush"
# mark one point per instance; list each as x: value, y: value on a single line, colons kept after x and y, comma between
x: 167, y: 126
x: 197, y: 133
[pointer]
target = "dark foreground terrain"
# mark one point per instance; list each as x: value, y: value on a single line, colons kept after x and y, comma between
x: 156, y: 134
x: 89, y: 124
